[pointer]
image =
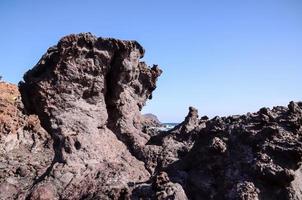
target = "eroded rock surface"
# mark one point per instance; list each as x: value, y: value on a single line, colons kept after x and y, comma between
x: 253, y: 156
x: 78, y: 134
x: 25, y: 147
x: 88, y: 93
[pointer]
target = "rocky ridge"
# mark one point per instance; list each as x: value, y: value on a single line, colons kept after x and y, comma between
x: 76, y: 132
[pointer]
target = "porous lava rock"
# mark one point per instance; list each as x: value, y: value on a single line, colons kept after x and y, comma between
x: 76, y: 132
x: 25, y: 147
x: 88, y: 93
x: 253, y: 156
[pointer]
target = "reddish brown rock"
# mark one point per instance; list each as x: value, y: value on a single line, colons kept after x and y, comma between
x: 88, y: 93
x: 77, y: 134
x: 25, y: 147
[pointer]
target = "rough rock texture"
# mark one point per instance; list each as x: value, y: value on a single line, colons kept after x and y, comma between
x: 25, y: 147
x: 88, y: 92
x: 78, y: 134
x: 253, y: 156
x: 159, y: 187
x: 168, y: 147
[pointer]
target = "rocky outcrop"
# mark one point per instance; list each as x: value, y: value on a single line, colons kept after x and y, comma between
x: 253, y: 156
x: 191, y: 122
x: 88, y: 93
x: 100, y: 81
x: 25, y: 147
x: 76, y: 132
x: 168, y: 147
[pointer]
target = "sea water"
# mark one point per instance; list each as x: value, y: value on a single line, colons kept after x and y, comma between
x: 168, y: 126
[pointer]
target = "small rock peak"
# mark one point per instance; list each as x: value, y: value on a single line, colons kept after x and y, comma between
x: 204, y: 118
x: 156, y: 71
x: 191, y: 121
x: 192, y: 116
x: 294, y: 107
x: 265, y: 111
x: 266, y: 114
x: 193, y: 111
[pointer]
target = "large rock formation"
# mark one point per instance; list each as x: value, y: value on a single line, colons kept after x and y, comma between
x: 88, y: 92
x: 78, y: 134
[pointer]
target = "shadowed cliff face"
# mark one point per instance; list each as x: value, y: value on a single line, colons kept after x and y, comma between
x: 77, y: 134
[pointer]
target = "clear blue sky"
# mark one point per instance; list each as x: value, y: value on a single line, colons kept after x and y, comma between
x: 223, y: 57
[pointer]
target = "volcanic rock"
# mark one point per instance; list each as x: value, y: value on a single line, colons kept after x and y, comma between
x: 88, y: 92
x: 254, y: 156
x: 76, y: 132
x: 25, y: 147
